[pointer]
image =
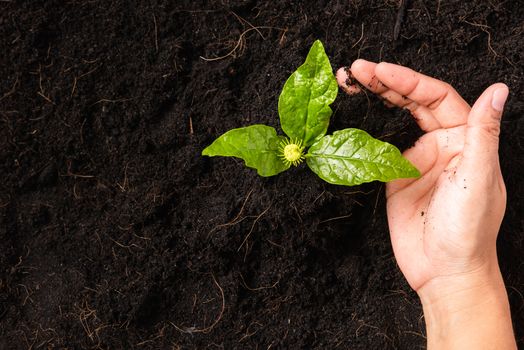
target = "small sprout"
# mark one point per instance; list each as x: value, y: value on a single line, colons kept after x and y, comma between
x: 291, y: 152
x: 348, y: 157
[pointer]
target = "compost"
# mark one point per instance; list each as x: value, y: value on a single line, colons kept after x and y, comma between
x: 115, y: 233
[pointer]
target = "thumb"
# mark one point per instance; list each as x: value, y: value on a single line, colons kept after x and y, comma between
x: 483, y: 127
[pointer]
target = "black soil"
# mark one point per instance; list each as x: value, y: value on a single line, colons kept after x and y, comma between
x: 115, y: 233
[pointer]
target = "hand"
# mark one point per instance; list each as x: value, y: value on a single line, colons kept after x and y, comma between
x: 444, y: 224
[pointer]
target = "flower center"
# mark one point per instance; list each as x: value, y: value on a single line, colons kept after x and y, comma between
x: 292, y: 152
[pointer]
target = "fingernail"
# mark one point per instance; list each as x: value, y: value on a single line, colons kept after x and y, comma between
x: 499, y: 98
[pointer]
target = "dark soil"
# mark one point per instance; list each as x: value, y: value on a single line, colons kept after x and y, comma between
x: 115, y: 233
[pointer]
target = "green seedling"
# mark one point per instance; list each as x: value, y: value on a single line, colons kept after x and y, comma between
x: 348, y: 157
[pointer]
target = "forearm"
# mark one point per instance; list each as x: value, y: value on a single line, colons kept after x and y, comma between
x: 468, y: 312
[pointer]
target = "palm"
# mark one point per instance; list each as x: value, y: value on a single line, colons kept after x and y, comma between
x: 420, y: 212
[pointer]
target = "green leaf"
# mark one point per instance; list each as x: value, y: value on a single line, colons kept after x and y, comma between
x: 257, y: 145
x: 303, y: 105
x: 351, y: 157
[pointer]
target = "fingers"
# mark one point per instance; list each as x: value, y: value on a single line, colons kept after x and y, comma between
x: 449, y: 108
x: 363, y: 72
x: 347, y: 82
x: 433, y: 103
x: 483, y: 128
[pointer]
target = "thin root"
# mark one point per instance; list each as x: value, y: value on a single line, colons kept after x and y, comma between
x: 252, y: 227
x: 257, y: 288
x: 206, y: 330
x: 237, y: 218
x: 241, y: 42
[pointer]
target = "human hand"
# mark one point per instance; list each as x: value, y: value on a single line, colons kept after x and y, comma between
x: 444, y: 224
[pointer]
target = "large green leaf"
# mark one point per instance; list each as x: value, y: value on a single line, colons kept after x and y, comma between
x: 303, y: 105
x: 257, y: 145
x: 351, y: 157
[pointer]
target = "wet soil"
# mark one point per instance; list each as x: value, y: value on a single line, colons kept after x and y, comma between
x: 115, y: 233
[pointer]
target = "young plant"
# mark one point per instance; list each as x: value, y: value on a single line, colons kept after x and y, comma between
x: 348, y: 157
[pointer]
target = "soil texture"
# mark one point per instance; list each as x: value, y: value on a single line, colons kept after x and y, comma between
x: 115, y: 233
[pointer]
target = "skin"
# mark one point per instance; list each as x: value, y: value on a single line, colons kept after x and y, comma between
x: 444, y: 225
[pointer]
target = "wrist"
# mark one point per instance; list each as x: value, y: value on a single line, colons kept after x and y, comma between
x: 462, y: 288
x: 469, y: 310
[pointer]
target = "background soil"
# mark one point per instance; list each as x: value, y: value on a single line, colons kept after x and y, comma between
x: 115, y: 233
